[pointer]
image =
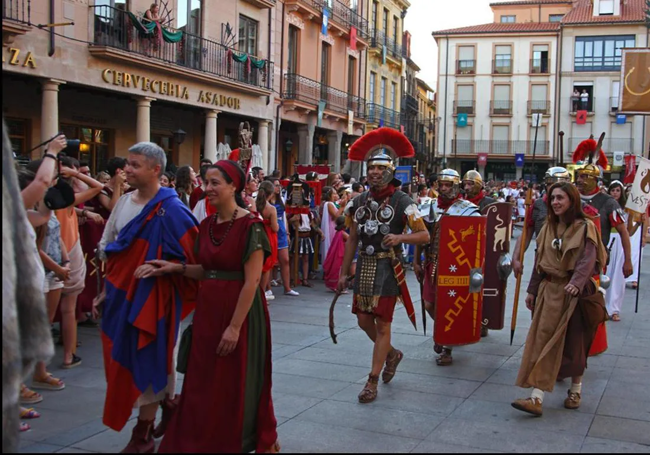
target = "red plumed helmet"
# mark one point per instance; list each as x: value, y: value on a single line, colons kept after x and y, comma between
x: 584, y: 149
x: 602, y: 160
x: 386, y: 138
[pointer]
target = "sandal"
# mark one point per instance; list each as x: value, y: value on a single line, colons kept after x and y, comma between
x: 369, y: 392
x: 30, y: 413
x: 28, y: 396
x: 275, y: 448
x: 24, y: 427
x: 76, y: 361
x: 445, y: 358
x: 437, y: 348
x: 307, y: 284
x: 49, y: 383
x: 616, y: 317
x: 391, y: 365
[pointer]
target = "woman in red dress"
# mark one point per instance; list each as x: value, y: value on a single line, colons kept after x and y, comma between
x: 269, y: 215
x: 226, y: 404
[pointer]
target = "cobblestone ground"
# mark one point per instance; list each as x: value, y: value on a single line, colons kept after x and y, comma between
x: 426, y: 408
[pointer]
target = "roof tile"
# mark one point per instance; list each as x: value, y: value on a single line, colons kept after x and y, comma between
x: 499, y: 27
x: 583, y: 13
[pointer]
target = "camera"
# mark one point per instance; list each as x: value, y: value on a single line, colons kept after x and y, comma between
x: 72, y: 147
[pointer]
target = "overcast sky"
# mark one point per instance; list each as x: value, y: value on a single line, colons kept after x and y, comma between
x: 425, y: 16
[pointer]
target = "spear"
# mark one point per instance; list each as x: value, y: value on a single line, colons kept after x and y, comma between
x: 524, y: 232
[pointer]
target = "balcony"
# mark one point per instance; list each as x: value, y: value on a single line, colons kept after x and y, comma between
x: 122, y: 36
x: 540, y: 66
x: 501, y: 107
x: 465, y: 67
x: 583, y: 104
x: 341, y: 16
x: 262, y: 3
x: 379, y: 40
x: 502, y: 66
x: 539, y: 107
x: 464, y: 107
x: 499, y: 147
x: 16, y: 19
x: 613, y: 105
x: 411, y: 102
x: 610, y: 145
x: 377, y: 113
x: 310, y: 92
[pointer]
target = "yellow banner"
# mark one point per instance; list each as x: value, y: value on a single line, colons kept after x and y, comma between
x: 635, y: 78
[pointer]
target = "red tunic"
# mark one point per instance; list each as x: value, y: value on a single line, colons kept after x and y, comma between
x: 222, y: 408
x: 270, y: 262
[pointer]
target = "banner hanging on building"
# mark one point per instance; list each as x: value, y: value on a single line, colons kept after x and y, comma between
x: 581, y: 117
x: 461, y: 120
x: 635, y: 81
x: 383, y: 55
x: 630, y: 169
x: 639, y: 196
x: 618, y: 159
x: 353, y: 38
x: 621, y: 119
x: 350, y: 122
x: 326, y: 15
x: 321, y: 109
x: 482, y: 159
x: 519, y: 159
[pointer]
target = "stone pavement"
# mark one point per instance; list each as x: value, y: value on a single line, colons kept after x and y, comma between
x: 426, y: 408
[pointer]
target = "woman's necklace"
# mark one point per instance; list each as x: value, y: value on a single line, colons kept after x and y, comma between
x: 213, y: 222
x: 557, y: 241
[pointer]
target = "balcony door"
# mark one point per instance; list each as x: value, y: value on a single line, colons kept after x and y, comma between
x: 466, y: 60
x: 503, y: 60
x: 326, y: 55
x: 542, y: 147
x: 465, y: 100
x: 189, y: 21
x: 464, y: 140
x: 540, y: 63
x: 500, y: 140
x: 539, y: 99
x: 501, y: 103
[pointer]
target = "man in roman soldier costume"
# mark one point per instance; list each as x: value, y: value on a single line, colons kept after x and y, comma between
x: 474, y: 190
x: 536, y: 217
x: 377, y: 220
x: 244, y: 154
x: 611, y: 214
x: 449, y: 203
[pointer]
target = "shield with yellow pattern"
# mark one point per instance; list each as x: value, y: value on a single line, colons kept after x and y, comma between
x: 459, y: 294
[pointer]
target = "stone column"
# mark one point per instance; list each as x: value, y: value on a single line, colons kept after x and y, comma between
x: 519, y: 172
x: 334, y: 150
x: 272, y: 148
x: 263, y: 142
x: 143, y: 125
x: 481, y: 170
x: 210, y: 141
x: 306, y: 143
x: 50, y: 108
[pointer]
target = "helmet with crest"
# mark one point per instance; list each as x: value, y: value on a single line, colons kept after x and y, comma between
x: 592, y: 171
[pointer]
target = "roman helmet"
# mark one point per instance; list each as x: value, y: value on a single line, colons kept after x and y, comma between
x: 556, y: 174
x: 474, y: 176
x: 449, y: 175
x: 387, y: 143
x: 593, y: 170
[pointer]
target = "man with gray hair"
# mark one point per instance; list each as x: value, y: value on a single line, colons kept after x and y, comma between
x: 141, y: 316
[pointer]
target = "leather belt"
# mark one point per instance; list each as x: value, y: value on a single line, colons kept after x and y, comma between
x: 557, y: 279
x: 224, y: 275
x: 304, y: 235
x: 382, y: 255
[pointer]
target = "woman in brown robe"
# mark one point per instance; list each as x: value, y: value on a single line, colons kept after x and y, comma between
x: 565, y: 300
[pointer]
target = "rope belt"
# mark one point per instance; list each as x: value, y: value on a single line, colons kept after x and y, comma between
x: 224, y: 275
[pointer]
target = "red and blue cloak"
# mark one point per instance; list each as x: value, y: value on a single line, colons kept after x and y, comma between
x: 141, y: 317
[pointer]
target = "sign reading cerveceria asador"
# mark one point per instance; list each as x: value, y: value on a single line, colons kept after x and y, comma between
x: 168, y: 88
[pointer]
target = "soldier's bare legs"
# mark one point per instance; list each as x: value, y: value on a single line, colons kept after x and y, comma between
x: 445, y: 353
x: 380, y: 334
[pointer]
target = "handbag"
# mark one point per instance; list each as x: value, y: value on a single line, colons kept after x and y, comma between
x: 184, y: 349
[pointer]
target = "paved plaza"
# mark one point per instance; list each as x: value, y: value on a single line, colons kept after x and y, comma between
x: 426, y: 408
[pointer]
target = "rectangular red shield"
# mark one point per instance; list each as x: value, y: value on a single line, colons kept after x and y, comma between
x: 499, y: 219
x: 461, y: 253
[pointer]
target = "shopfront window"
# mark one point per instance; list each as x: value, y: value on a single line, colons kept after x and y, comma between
x: 93, y: 148
x: 167, y: 144
x: 19, y: 135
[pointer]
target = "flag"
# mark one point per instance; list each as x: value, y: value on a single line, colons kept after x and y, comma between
x: 639, y: 196
x: 353, y: 38
x: 482, y: 159
x: 350, y: 122
x: 325, y: 21
x: 519, y: 159
x: 630, y: 169
x: 321, y: 109
x: 383, y: 55
x: 581, y: 117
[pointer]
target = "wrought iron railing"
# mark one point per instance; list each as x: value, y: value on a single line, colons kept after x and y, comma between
x: 340, y: 12
x: 309, y: 91
x: 465, y: 107
x: 540, y: 65
x: 502, y: 65
x: 17, y: 10
x: 539, y: 107
x: 379, y: 114
x: 578, y: 103
x: 500, y: 107
x: 465, y: 66
x: 122, y: 30
x: 379, y: 39
x: 500, y: 147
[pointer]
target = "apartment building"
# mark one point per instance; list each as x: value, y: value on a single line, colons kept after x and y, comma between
x: 426, y: 125
x: 387, y: 62
x: 593, y: 34
x: 320, y: 50
x: 184, y: 81
x: 549, y: 57
x: 492, y: 79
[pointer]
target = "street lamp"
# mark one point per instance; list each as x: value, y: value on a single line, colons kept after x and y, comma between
x: 288, y: 145
x: 179, y: 136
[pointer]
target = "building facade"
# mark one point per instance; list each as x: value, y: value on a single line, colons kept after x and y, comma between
x: 593, y: 35
x: 426, y: 125
x: 185, y: 81
x: 320, y: 48
x: 548, y: 57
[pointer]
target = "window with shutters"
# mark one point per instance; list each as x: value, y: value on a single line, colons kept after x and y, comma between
x: 465, y: 100
x: 500, y: 140
x: 373, y: 80
x: 503, y: 59
x: 540, y: 63
x: 247, y: 35
x: 509, y: 19
x: 501, y: 102
x: 466, y: 60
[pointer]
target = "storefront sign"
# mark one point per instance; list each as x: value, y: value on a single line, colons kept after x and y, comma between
x: 519, y: 159
x: 482, y: 159
x: 16, y: 57
x: 619, y: 159
x: 159, y: 86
